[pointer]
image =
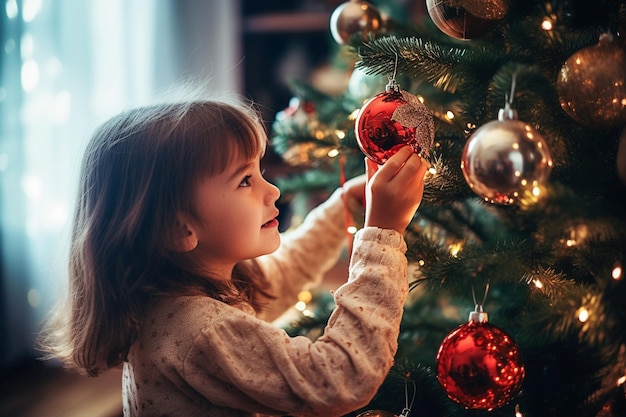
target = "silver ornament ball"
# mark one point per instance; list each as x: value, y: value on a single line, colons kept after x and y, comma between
x: 506, y: 161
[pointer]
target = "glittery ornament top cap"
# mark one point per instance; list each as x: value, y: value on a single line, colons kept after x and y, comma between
x: 507, y: 113
x: 478, y: 315
x: 392, y: 86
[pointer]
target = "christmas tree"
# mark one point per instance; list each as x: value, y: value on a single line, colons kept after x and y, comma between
x: 523, y: 216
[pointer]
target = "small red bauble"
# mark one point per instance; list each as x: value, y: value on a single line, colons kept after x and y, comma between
x: 391, y: 120
x: 479, y: 366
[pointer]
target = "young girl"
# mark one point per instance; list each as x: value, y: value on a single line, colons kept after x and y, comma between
x: 177, y: 266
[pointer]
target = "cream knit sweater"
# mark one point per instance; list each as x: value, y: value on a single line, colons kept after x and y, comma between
x: 196, y: 356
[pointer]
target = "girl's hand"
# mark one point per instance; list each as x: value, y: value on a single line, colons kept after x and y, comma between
x: 394, y: 190
x: 354, y: 189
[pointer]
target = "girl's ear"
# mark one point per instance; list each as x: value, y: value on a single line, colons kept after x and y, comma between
x: 183, y: 238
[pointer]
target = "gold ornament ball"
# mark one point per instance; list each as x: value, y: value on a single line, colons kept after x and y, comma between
x: 466, y: 19
x: 352, y: 17
x: 592, y: 85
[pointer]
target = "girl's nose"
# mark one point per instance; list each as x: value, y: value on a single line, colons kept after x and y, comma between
x: 273, y: 193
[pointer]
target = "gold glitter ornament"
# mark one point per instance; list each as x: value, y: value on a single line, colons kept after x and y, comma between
x: 592, y: 84
x: 485, y: 9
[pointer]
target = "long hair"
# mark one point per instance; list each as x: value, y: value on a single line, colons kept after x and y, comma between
x: 138, y: 172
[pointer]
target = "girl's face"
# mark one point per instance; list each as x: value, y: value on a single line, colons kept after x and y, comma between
x: 235, y: 216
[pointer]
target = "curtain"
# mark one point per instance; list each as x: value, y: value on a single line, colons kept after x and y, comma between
x: 65, y: 67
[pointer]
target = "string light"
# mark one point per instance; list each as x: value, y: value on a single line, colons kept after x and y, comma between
x: 538, y: 283
x: 616, y: 273
x: 546, y: 24
x: 621, y: 380
x: 333, y: 153
x: 455, y: 248
x: 583, y: 314
x: 304, y: 298
x: 351, y: 229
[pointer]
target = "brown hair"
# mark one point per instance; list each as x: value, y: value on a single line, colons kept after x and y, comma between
x: 138, y: 172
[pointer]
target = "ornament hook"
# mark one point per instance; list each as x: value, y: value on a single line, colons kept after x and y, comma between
x: 508, y: 112
x: 392, y: 85
x: 407, y: 407
x: 478, y: 315
x: 484, y: 295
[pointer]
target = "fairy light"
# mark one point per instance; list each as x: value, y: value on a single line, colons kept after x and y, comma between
x: 518, y: 412
x: 351, y: 229
x: 583, y: 314
x: 304, y: 298
x: 455, y: 248
x: 340, y: 134
x: 333, y: 153
x: 621, y: 380
x: 421, y: 262
x: 432, y: 170
x: 616, y: 273
x: 538, y: 283
x: 546, y: 24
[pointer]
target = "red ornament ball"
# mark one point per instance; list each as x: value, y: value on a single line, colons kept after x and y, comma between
x: 352, y: 17
x: 466, y: 19
x: 390, y: 120
x: 479, y: 366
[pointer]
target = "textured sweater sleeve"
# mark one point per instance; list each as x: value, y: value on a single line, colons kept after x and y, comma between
x: 305, y: 254
x: 244, y: 363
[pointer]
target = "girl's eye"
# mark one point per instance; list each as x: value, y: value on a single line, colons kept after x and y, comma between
x: 245, y: 182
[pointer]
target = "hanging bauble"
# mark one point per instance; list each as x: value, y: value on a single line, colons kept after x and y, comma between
x: 592, y: 84
x: 506, y: 160
x: 298, y: 112
x: 466, y: 19
x: 621, y: 157
x: 391, y: 120
x: 479, y: 366
x: 354, y: 16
